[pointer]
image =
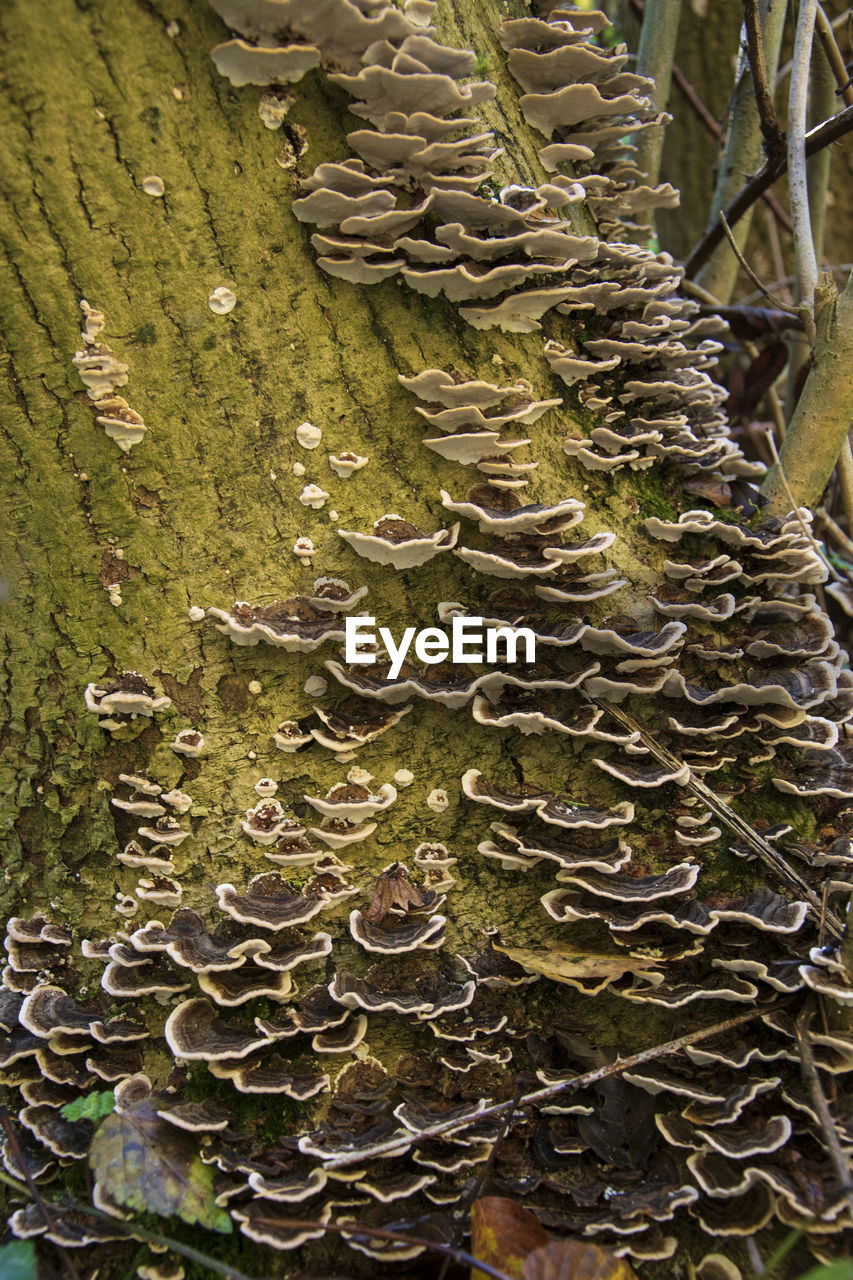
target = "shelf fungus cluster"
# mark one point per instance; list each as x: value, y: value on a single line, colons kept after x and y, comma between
x: 101, y: 373
x: 616, y: 871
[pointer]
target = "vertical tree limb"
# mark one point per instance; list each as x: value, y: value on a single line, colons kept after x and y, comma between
x: 770, y: 131
x: 804, y: 252
x: 654, y: 59
x: 826, y: 35
x: 742, y: 154
x: 819, y: 426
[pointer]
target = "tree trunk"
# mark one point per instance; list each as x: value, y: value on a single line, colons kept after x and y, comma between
x: 108, y: 551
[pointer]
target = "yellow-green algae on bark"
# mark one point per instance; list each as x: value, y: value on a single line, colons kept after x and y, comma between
x: 205, y: 510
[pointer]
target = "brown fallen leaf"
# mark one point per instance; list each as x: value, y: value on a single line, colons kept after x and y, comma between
x: 578, y: 967
x: 575, y: 1260
x: 393, y: 888
x: 503, y: 1234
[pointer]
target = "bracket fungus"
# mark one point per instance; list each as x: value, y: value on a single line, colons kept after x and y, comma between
x: 717, y: 675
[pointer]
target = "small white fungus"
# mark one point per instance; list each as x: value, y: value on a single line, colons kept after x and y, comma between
x: 222, y: 300
x: 404, y: 777
x: 153, y: 185
x: 255, y: 686
x: 298, y: 468
x: 316, y: 686
x: 194, y: 613
x: 308, y: 435
x: 313, y: 496
x: 437, y: 800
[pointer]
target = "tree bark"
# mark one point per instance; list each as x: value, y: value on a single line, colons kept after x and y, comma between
x: 205, y: 511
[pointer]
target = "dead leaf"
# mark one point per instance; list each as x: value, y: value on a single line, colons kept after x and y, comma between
x: 575, y: 1260
x: 578, y: 967
x: 503, y: 1234
x: 144, y: 1164
x: 394, y: 889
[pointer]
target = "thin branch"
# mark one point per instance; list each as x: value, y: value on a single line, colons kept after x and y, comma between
x: 34, y: 1192
x: 785, y: 70
x: 820, y: 423
x: 710, y: 121
x: 812, y: 1080
x: 834, y: 57
x: 844, y: 468
x: 805, y: 260
x: 396, y: 1146
x: 836, y: 268
x: 770, y: 131
x: 835, y: 529
x: 135, y: 1232
x: 733, y: 821
x: 477, y: 1187
x: 777, y: 302
x: 380, y: 1233
x: 822, y: 136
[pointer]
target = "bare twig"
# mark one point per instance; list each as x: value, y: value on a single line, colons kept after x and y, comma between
x: 733, y: 821
x: 821, y: 420
x: 836, y: 268
x: 771, y: 297
x: 844, y: 468
x: 770, y: 131
x: 805, y: 261
x: 34, y: 1191
x: 396, y: 1146
x: 785, y: 69
x: 477, y: 1187
x: 751, y: 120
x: 135, y: 1232
x: 834, y: 57
x: 816, y: 139
x: 835, y: 529
x: 379, y: 1233
x: 710, y: 121
x: 812, y: 1081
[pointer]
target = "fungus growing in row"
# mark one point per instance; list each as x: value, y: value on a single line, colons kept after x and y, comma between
x: 188, y: 742
x: 396, y: 542
x: 119, y: 701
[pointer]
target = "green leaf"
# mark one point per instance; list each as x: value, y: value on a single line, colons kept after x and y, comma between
x: 143, y: 1163
x: 92, y: 1106
x: 18, y: 1260
x: 841, y: 1269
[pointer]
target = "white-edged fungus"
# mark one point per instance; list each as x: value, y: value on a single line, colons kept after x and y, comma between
x: 396, y: 542
x: 308, y: 436
x: 437, y: 800
x: 222, y: 300
x: 305, y: 551
x: 313, y: 496
x: 404, y: 777
x: 189, y: 742
x: 316, y: 686
x: 273, y: 107
x: 195, y: 613
x: 153, y: 185
x: 344, y: 464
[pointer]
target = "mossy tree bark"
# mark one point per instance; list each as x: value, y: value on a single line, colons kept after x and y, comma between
x: 205, y: 510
